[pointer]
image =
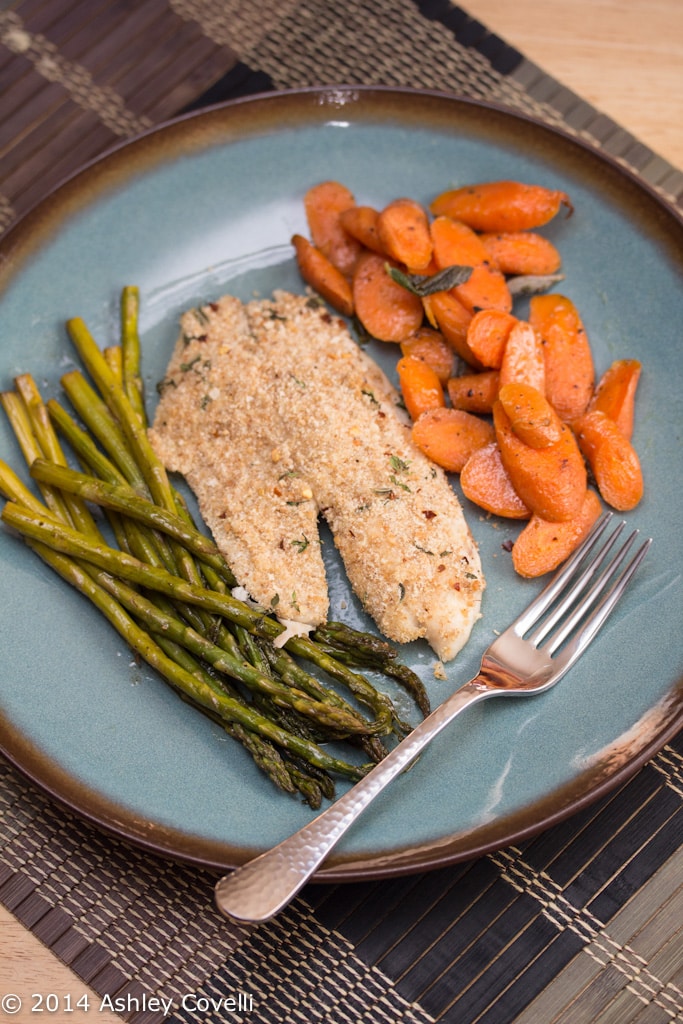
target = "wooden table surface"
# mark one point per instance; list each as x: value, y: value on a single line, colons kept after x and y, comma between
x: 625, y: 58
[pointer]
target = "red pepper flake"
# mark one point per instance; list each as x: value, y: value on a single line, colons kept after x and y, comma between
x: 428, y: 514
x: 507, y: 545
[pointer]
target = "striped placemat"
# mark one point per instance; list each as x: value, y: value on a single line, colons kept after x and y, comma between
x: 580, y: 924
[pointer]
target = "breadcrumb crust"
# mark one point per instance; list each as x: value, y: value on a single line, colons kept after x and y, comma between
x: 275, y: 416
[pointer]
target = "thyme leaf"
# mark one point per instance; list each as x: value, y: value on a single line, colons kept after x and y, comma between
x: 399, y: 483
x: 399, y: 465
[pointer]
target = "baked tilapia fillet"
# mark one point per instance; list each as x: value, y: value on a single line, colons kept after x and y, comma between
x: 275, y: 417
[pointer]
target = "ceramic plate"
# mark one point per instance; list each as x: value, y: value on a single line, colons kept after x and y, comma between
x: 206, y: 205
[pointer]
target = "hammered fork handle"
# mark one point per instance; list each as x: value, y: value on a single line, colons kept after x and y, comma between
x: 262, y: 887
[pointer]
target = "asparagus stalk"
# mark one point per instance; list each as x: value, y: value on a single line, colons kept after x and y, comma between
x: 114, y: 358
x: 99, y: 420
x: 83, y: 445
x: 197, y: 689
x: 18, y: 417
x: 48, y: 443
x: 289, y: 777
x: 123, y: 499
x: 130, y: 347
x: 120, y: 564
x: 118, y: 403
x: 265, y: 755
x: 166, y: 625
x: 364, y: 649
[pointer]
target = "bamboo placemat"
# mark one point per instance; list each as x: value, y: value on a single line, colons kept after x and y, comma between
x: 580, y: 924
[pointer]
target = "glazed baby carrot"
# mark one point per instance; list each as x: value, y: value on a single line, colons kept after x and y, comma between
x: 403, y: 230
x: 487, y: 334
x: 522, y: 252
x: 485, y: 481
x: 569, y: 372
x: 542, y: 546
x: 474, y: 392
x: 324, y: 204
x: 420, y: 386
x: 431, y: 346
x: 551, y: 481
x: 361, y: 223
x: 323, y: 276
x: 612, y: 459
x: 616, y: 392
x: 455, y: 244
x: 445, y: 312
x: 495, y: 206
x: 387, y: 310
x: 450, y: 436
x: 531, y: 415
x: 523, y: 358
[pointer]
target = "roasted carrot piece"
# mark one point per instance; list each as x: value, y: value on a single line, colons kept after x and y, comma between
x: 455, y: 244
x: 612, y: 459
x: 403, y: 230
x: 487, y: 334
x: 616, y: 392
x: 550, y: 481
x: 485, y: 289
x: 451, y: 318
x: 522, y: 252
x: 495, y: 206
x: 323, y: 204
x: 387, y: 310
x: 569, y: 371
x: 450, y: 436
x: 323, y: 276
x: 361, y: 223
x: 531, y: 415
x: 430, y: 346
x: 542, y: 546
x: 420, y: 386
x: 485, y: 481
x: 474, y: 392
x: 523, y: 358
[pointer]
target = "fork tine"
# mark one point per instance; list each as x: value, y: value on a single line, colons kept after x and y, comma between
x: 552, y: 590
x: 569, y: 598
x: 605, y: 606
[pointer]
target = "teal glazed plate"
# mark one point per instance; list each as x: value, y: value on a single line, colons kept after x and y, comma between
x: 206, y: 205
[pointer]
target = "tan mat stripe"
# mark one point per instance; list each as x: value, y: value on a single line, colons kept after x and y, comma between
x: 369, y: 42
x: 127, y: 918
x: 669, y: 763
x: 73, y: 77
x: 306, y: 970
x: 77, y: 78
x: 606, y: 946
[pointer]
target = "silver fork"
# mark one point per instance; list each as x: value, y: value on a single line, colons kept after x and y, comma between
x: 528, y: 658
